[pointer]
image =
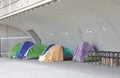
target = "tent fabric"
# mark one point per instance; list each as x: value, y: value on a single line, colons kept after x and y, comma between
x: 81, y: 51
x: 19, y: 50
x: 67, y: 54
x: 14, y: 50
x: 35, y: 50
x: 55, y: 53
x: 45, y: 50
x: 26, y: 45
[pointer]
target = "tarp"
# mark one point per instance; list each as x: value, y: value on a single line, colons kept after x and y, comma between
x: 67, y: 54
x: 14, y: 50
x: 82, y: 51
x: 35, y: 50
x: 45, y: 50
x: 55, y: 53
x: 26, y: 45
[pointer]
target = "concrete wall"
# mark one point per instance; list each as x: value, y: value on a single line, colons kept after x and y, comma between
x: 70, y: 22
x: 9, y: 36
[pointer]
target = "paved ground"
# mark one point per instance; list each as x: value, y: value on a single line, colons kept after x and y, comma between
x: 11, y: 68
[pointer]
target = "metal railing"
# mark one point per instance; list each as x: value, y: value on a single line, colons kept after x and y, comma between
x: 109, y: 58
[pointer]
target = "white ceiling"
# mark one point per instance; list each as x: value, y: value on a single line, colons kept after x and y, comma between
x: 70, y: 22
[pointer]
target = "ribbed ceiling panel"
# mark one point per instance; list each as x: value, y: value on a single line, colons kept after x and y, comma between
x: 70, y: 22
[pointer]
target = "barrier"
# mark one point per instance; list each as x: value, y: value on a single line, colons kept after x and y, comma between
x: 109, y: 58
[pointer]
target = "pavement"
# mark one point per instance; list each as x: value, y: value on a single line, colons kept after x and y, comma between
x: 15, y: 68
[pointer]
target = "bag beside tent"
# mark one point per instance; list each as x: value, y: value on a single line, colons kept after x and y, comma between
x: 34, y: 51
x: 26, y: 45
x: 81, y: 51
x: 14, y: 50
x: 55, y: 53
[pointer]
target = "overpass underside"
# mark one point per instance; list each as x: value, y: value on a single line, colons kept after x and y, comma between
x: 70, y: 22
x: 65, y: 22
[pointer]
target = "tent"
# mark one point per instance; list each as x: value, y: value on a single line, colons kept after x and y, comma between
x: 55, y: 53
x: 24, y: 47
x: 14, y: 50
x: 19, y: 49
x: 35, y: 50
x: 81, y: 51
x: 67, y: 54
x: 45, y: 50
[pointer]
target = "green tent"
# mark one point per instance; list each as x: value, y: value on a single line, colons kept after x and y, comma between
x: 67, y: 54
x: 35, y: 50
x: 13, y: 50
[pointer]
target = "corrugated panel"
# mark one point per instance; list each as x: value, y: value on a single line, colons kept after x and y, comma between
x: 70, y: 22
x: 34, y: 36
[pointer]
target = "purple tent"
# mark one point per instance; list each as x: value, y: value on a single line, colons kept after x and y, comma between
x: 26, y: 45
x: 82, y: 51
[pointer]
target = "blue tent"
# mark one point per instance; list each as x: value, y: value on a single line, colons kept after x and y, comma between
x: 19, y: 49
x: 24, y: 47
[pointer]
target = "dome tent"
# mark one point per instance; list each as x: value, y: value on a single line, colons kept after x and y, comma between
x: 23, y: 49
x: 34, y: 51
x: 81, y: 51
x: 14, y: 50
x: 18, y: 52
x: 45, y: 50
x: 66, y: 53
x: 53, y: 54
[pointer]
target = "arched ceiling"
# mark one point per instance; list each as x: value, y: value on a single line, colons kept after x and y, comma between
x: 70, y: 22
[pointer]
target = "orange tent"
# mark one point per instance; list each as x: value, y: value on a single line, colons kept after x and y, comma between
x: 55, y: 53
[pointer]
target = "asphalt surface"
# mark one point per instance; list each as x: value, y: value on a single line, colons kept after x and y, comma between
x: 15, y: 68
